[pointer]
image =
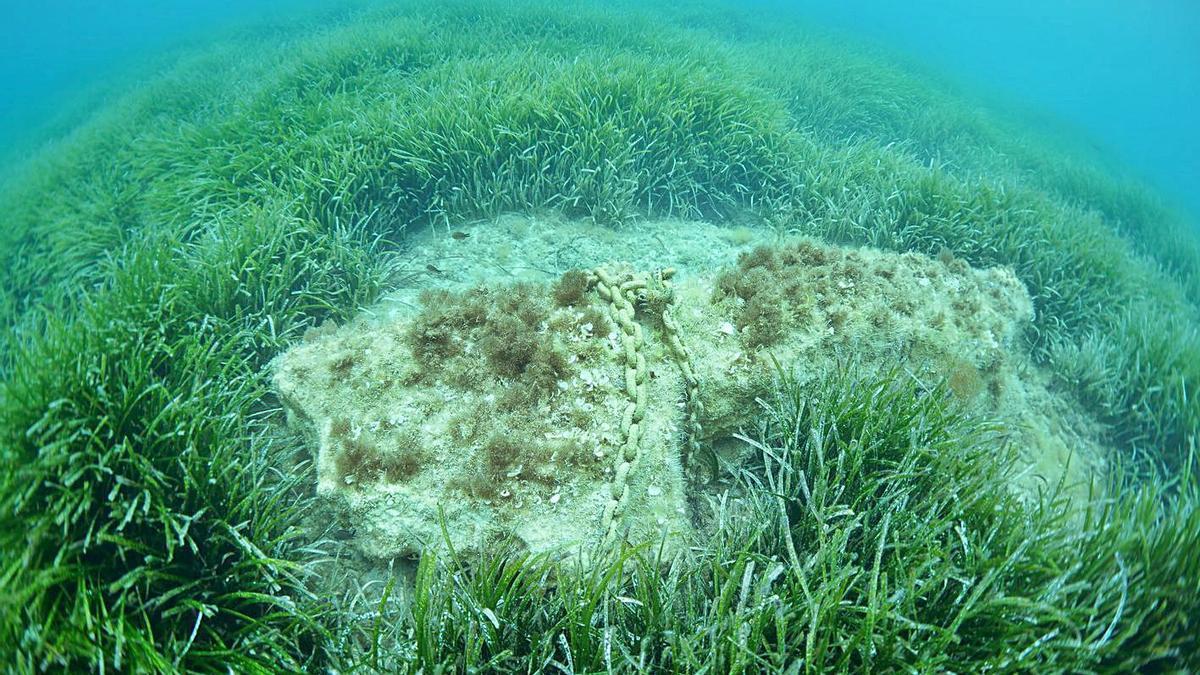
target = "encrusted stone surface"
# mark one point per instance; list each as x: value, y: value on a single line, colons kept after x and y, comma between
x: 499, y: 411
x: 401, y: 443
x: 827, y: 306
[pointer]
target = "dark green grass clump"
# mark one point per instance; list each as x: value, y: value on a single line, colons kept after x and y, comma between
x: 145, y: 521
x: 154, y: 259
x: 875, y: 533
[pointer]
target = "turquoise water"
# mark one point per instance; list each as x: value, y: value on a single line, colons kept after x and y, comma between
x: 59, y: 56
x: 1126, y: 76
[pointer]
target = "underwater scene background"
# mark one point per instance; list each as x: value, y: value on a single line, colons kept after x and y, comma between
x: 579, y: 337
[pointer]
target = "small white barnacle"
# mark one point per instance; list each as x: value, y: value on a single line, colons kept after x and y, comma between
x: 592, y: 378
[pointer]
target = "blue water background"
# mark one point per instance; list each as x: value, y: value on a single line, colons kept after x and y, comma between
x: 57, y: 56
x: 1126, y: 72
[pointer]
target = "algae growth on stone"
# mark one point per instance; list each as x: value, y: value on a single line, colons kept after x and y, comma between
x: 502, y: 411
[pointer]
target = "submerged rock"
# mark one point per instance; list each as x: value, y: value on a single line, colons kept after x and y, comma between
x: 504, y: 413
x: 557, y: 414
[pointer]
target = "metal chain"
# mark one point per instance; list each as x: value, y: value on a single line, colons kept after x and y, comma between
x: 683, y: 359
x: 622, y: 294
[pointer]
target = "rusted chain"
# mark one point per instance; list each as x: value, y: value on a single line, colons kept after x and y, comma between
x: 623, y: 294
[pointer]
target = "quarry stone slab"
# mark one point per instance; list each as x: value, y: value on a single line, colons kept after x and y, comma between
x: 582, y: 408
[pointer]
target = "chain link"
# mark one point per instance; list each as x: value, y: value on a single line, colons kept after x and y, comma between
x: 623, y: 293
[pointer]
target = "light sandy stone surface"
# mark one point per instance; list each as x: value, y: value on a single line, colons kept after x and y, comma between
x: 411, y: 450
x: 401, y: 452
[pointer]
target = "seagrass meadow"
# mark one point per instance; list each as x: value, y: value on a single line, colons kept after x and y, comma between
x: 161, y: 248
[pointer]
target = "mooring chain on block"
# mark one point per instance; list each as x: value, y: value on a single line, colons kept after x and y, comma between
x: 622, y: 294
x: 683, y: 359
